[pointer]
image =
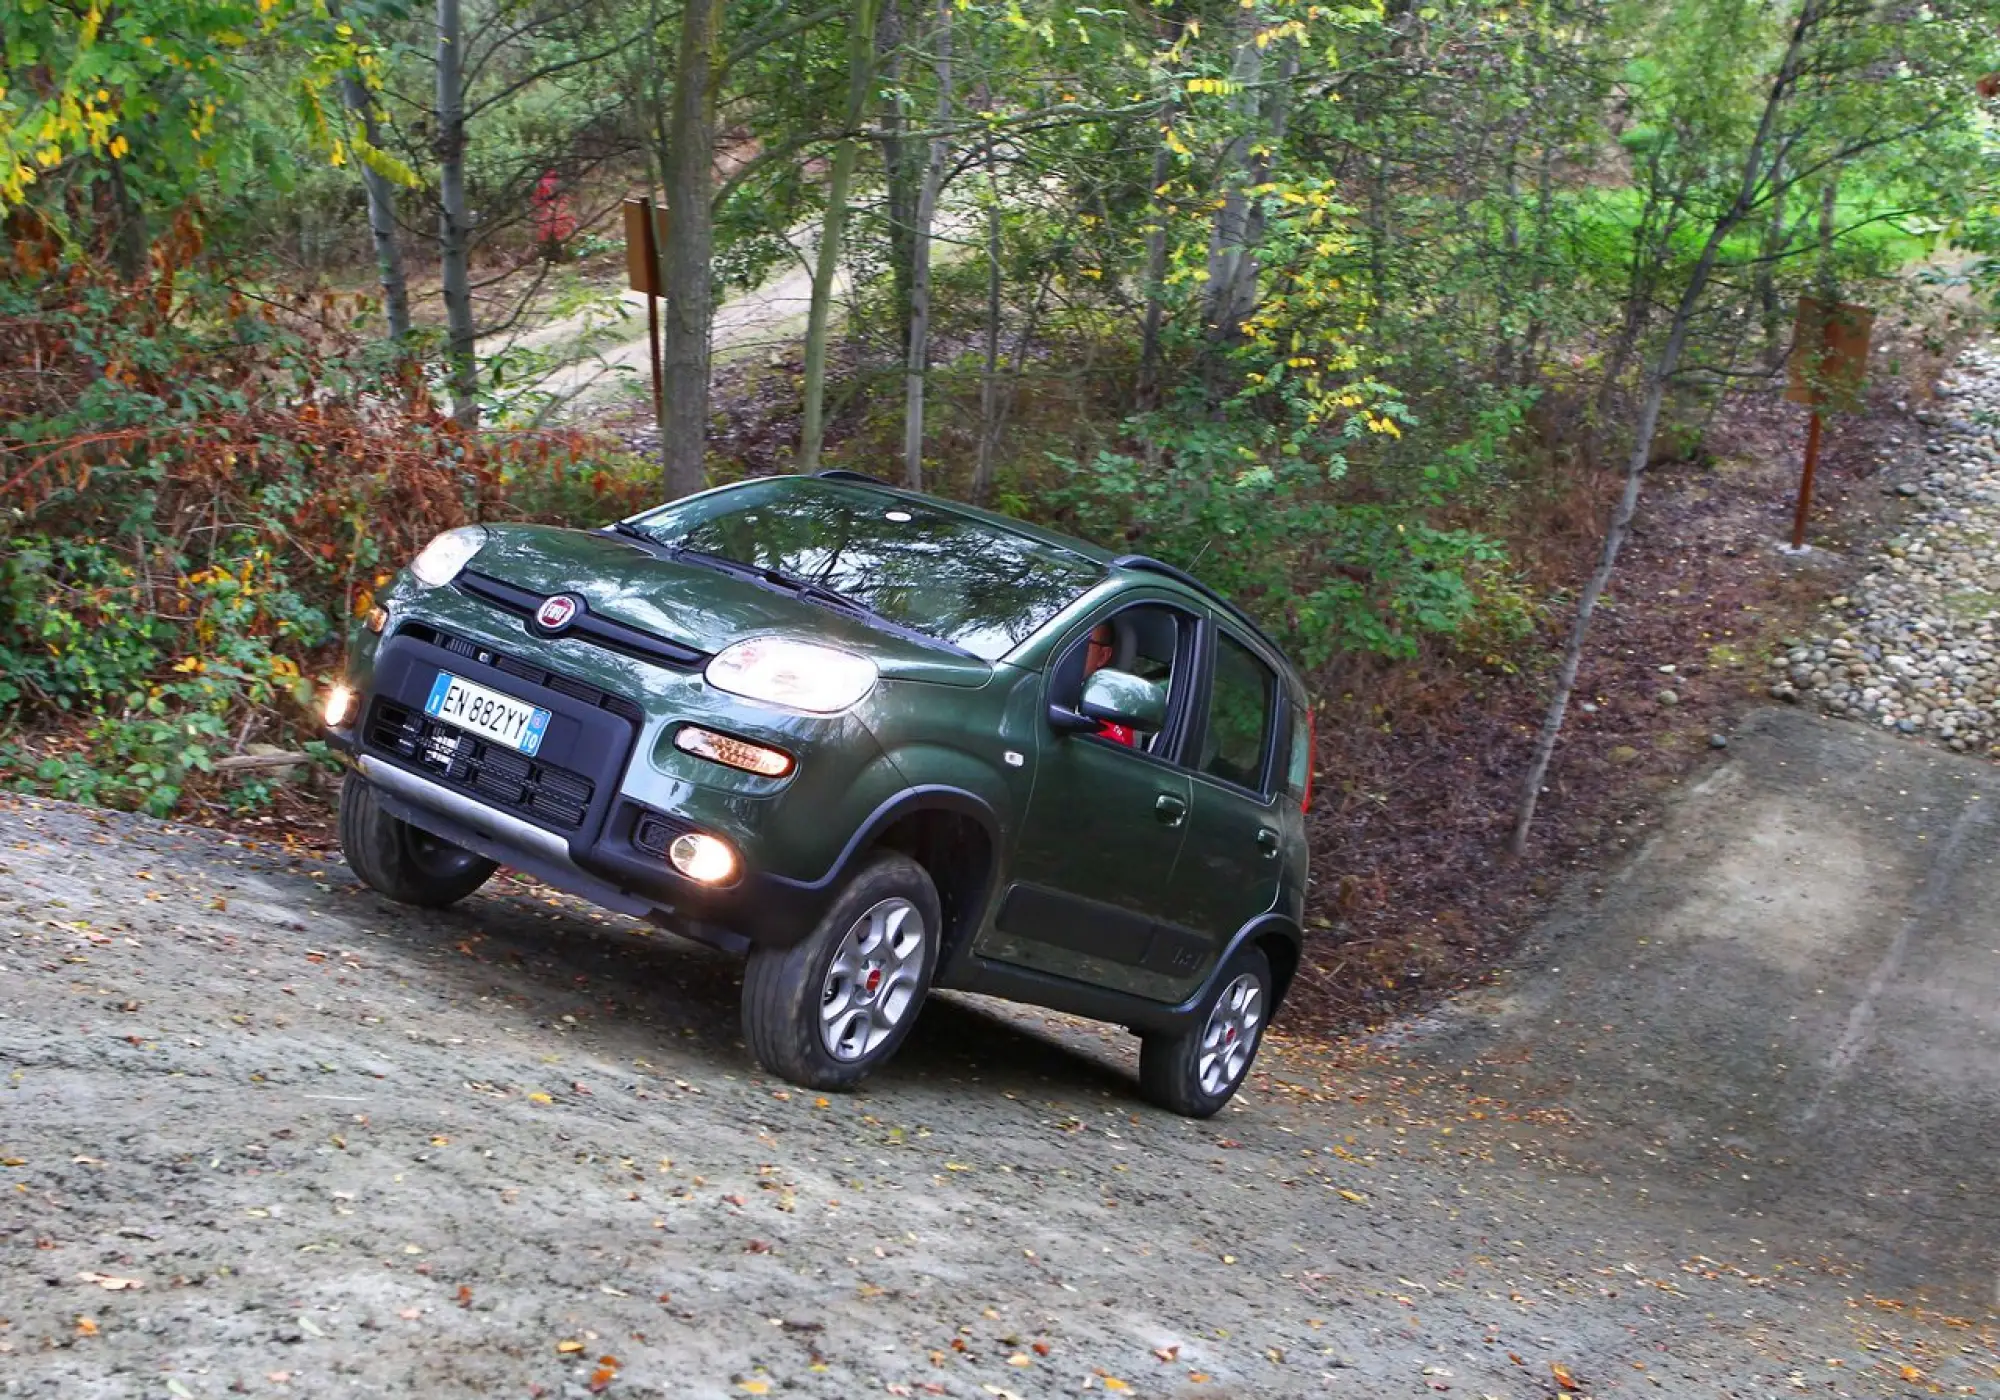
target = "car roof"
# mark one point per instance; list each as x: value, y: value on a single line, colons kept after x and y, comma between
x: 1153, y: 570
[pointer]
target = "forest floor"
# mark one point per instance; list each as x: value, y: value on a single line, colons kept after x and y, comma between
x: 1722, y: 1127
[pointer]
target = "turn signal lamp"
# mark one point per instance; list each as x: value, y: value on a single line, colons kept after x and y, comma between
x: 732, y: 752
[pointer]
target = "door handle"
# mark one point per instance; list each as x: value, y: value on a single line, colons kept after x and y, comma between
x: 1169, y: 809
x: 1267, y: 840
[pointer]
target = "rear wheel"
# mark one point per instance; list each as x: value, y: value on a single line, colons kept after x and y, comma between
x: 1197, y: 1071
x: 402, y: 861
x: 829, y: 1009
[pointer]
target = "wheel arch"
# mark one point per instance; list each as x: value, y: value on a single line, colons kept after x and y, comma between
x: 955, y: 836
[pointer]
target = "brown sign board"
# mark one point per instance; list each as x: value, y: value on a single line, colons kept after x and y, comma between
x: 643, y: 239
x: 1829, y: 362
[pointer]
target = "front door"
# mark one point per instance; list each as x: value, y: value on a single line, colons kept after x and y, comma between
x: 1232, y: 860
x: 1089, y: 893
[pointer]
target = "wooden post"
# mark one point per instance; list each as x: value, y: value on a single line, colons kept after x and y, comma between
x: 1806, y: 482
x: 1827, y: 370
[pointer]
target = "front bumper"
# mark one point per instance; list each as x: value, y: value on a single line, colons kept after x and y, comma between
x: 560, y: 816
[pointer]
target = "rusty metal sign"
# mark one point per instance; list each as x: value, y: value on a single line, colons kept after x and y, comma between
x: 645, y: 234
x: 1829, y: 362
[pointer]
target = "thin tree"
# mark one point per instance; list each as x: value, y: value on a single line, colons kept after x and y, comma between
x: 918, y: 365
x: 860, y: 80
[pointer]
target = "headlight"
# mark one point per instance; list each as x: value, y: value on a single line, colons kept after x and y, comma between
x: 797, y: 675
x: 340, y: 707
x: 444, y: 557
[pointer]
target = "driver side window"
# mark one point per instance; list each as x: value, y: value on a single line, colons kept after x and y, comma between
x: 1149, y: 640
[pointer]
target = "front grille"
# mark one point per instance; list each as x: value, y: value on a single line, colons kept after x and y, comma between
x: 526, y: 670
x: 528, y: 787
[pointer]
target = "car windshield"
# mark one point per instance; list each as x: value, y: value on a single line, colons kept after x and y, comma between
x: 982, y: 588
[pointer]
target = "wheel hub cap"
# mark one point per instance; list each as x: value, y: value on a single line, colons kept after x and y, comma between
x: 1230, y: 1038
x: 873, y: 979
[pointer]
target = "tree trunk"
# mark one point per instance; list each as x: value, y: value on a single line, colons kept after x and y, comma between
x: 860, y: 76
x: 454, y: 222
x: 1766, y: 284
x: 381, y: 201
x: 130, y: 243
x: 1748, y: 181
x: 989, y: 374
x: 1510, y: 258
x: 1246, y: 162
x: 688, y: 276
x: 381, y: 211
x: 902, y: 176
x: 920, y: 264
x: 1156, y: 270
x: 1528, y: 366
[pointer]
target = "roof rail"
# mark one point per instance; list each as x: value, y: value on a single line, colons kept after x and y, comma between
x: 1145, y: 563
x: 843, y: 474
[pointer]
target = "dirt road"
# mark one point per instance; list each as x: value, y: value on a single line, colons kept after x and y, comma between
x: 1727, y: 1129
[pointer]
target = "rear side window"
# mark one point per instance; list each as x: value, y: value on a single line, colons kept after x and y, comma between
x: 1240, y: 709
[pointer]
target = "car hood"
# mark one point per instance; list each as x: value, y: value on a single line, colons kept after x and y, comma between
x: 625, y: 580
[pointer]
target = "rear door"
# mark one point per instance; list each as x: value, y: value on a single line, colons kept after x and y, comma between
x: 1231, y: 861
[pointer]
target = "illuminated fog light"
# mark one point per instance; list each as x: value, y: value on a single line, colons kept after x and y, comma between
x: 702, y: 857
x: 378, y: 618
x: 340, y: 705
x: 733, y: 753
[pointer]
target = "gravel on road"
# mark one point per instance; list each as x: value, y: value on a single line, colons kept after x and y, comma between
x: 263, y: 1133
x: 1912, y: 647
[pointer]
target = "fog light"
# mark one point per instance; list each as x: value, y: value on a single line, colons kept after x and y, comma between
x: 732, y: 752
x: 340, y: 704
x: 378, y: 618
x: 702, y: 857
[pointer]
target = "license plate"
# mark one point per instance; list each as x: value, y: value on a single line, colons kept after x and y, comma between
x: 487, y: 713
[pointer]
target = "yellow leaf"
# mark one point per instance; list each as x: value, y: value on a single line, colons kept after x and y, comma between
x: 756, y: 1387
x: 1020, y: 1358
x: 1347, y: 1195
x: 1113, y: 1383
x: 569, y: 1346
x: 540, y: 1098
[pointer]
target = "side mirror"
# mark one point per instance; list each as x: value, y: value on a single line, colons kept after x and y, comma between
x: 1119, y: 697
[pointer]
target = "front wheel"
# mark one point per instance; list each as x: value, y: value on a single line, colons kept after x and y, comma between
x: 829, y: 1009
x: 1197, y: 1071
x: 405, y: 862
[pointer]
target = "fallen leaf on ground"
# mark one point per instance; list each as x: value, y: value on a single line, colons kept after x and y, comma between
x: 1562, y: 1375
x: 111, y: 1282
x: 1020, y: 1358
x: 464, y: 1296
x: 569, y: 1346
x: 86, y: 1327
x: 540, y: 1098
x: 755, y: 1387
x: 1167, y: 1353
x: 410, y: 1314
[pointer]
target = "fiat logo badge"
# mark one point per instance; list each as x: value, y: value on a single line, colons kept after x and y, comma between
x: 555, y: 614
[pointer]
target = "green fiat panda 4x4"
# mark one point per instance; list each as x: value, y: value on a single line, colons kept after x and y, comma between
x: 876, y: 741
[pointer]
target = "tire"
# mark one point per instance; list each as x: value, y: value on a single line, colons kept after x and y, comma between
x: 1197, y: 1071
x: 404, y: 862
x: 810, y: 1014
